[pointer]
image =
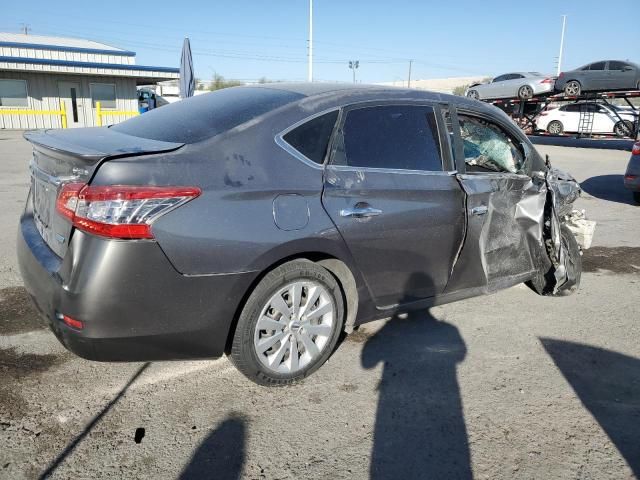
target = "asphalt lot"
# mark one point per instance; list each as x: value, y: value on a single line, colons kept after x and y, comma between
x: 511, y: 385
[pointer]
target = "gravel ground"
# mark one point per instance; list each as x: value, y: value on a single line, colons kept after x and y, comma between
x: 511, y: 385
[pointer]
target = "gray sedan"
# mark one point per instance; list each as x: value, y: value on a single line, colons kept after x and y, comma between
x: 523, y: 85
x: 603, y: 75
x: 264, y: 221
x: 632, y: 175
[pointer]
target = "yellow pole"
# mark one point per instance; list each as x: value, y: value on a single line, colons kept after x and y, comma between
x: 63, y: 114
x: 99, y: 114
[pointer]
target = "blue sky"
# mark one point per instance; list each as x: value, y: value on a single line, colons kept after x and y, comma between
x: 249, y: 39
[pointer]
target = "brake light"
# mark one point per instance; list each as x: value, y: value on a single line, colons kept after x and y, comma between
x: 636, y: 149
x: 119, y: 211
x: 547, y: 80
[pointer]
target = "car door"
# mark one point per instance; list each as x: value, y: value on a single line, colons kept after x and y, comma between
x: 621, y: 75
x: 501, y: 204
x: 390, y: 193
x: 496, y: 88
x: 597, y: 76
x: 603, y: 119
x: 511, y: 85
x: 570, y: 117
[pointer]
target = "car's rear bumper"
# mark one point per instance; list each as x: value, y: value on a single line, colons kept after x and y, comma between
x: 134, y: 305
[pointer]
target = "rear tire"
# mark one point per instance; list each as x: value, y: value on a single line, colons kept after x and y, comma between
x: 572, y: 88
x: 555, y: 127
x: 278, y: 339
x: 525, y: 92
x: 623, y: 128
x: 543, y: 281
x: 636, y: 197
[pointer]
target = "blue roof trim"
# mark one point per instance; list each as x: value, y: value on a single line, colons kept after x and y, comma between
x: 67, y: 63
x: 125, y: 53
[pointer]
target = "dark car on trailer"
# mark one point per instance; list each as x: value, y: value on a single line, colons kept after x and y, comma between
x: 604, y: 75
x: 263, y: 221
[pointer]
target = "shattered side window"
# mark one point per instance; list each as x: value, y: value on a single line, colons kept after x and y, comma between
x: 487, y: 147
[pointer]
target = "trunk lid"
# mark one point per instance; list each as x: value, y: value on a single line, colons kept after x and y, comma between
x: 62, y: 156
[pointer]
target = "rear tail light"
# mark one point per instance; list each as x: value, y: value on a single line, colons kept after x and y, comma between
x: 119, y: 211
x: 636, y: 149
x: 547, y: 80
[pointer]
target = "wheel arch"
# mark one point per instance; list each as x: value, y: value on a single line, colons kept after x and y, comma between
x: 337, y: 267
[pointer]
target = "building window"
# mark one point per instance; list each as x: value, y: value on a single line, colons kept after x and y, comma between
x: 13, y: 93
x: 105, y: 93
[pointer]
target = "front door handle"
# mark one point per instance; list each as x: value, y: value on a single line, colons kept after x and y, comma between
x: 481, y: 210
x: 360, y: 212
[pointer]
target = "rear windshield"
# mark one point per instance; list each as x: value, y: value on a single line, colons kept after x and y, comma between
x: 194, y: 119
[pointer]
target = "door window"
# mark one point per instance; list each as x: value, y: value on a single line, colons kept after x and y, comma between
x: 488, y: 148
x: 501, y: 78
x: 394, y: 137
x: 597, y: 66
x: 615, y: 65
x: 312, y: 138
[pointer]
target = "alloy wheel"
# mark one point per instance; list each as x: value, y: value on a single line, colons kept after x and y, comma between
x: 572, y: 88
x: 294, y: 327
x: 525, y: 92
x: 555, y: 128
x: 473, y: 94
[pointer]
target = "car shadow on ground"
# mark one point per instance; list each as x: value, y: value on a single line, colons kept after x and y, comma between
x: 419, y: 430
x: 608, y: 187
x: 221, y: 454
x: 608, y: 385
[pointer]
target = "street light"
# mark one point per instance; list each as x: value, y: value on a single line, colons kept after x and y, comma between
x: 353, y: 64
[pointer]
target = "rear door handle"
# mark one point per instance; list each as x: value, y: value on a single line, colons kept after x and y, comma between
x: 481, y: 210
x: 360, y: 212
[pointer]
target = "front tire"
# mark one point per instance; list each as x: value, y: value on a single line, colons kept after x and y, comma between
x: 573, y: 88
x: 555, y: 127
x: 543, y: 281
x: 289, y: 325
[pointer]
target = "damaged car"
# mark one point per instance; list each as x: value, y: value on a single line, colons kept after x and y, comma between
x: 263, y: 221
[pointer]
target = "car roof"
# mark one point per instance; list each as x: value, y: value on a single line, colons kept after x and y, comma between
x: 349, y: 92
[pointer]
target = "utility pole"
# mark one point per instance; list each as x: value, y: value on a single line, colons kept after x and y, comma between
x: 310, y: 72
x: 353, y: 64
x: 25, y: 28
x: 409, y: 80
x: 564, y: 21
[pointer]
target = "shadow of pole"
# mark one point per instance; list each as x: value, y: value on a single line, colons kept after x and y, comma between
x: 74, y: 443
x: 608, y: 385
x: 419, y: 430
x: 221, y: 455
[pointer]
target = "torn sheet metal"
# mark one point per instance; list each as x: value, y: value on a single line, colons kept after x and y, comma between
x: 563, y: 190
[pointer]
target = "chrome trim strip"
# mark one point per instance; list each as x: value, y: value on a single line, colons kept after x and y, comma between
x: 347, y: 168
x: 45, y: 177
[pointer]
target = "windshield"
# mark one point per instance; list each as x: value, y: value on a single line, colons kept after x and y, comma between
x: 204, y: 116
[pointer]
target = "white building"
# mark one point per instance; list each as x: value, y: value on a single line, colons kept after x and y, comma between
x: 41, y: 76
